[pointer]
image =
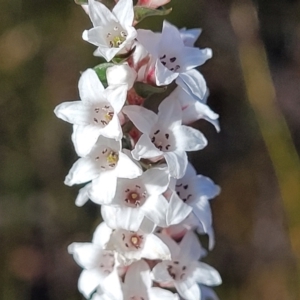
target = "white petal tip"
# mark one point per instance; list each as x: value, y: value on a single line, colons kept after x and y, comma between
x: 85, y: 35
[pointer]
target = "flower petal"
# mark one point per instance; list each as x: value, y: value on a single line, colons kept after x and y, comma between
x: 116, y: 95
x: 121, y: 75
x: 154, y: 248
x: 193, y: 83
x: 177, y: 163
x: 138, y: 276
x: 84, y: 138
x: 156, y: 180
x: 89, y: 281
x: 205, y: 274
x: 149, y: 40
x: 189, y: 139
x: 169, y: 113
x: 144, y: 148
x: 100, y: 14
x: 90, y: 87
x: 122, y: 217
x: 83, y: 196
x: 207, y: 187
x: 144, y: 119
x: 102, y: 235
x: 83, y: 170
x: 190, y: 247
x: 155, y: 209
x: 123, y: 10
x: 74, y: 112
x: 160, y: 273
x: 103, y: 187
x: 194, y: 57
x: 177, y: 210
x: 87, y: 255
x: 126, y: 168
x: 163, y: 75
x: 188, y: 292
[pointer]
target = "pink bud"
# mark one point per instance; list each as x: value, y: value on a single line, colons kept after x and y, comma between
x: 152, y: 3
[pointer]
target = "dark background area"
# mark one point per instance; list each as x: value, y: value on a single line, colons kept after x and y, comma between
x: 253, y: 158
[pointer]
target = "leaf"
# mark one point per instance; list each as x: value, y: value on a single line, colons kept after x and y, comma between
x: 144, y: 90
x: 141, y: 12
x: 101, y: 72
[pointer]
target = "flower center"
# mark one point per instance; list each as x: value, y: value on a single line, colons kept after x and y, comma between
x: 170, y: 62
x: 102, y: 115
x: 136, y: 241
x: 130, y: 240
x: 176, y: 270
x: 116, y: 36
x: 106, y: 158
x: 163, y: 140
x: 135, y: 197
x: 107, y: 262
x: 183, y: 191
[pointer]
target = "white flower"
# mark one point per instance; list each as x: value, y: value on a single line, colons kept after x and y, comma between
x: 96, y: 262
x: 194, y: 109
x: 96, y: 114
x: 103, y: 165
x: 113, y: 30
x: 137, y: 286
x: 174, y: 60
x: 184, y: 270
x: 164, y: 136
x: 138, y: 198
x: 195, y: 190
x: 131, y: 246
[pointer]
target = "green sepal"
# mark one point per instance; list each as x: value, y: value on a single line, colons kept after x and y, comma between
x: 123, y: 57
x: 101, y: 72
x: 141, y: 12
x: 145, y: 90
x: 81, y: 2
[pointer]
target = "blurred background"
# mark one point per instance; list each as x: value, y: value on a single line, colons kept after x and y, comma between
x: 254, y: 81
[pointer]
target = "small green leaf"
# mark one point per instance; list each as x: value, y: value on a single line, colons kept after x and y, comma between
x: 141, y: 12
x: 144, y: 90
x: 81, y: 2
x: 101, y: 72
x: 123, y: 57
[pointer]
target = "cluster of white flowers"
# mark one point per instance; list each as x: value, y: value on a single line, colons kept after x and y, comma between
x: 134, y: 160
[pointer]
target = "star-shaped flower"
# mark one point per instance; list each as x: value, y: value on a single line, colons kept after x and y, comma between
x: 138, y: 198
x: 164, y: 136
x: 196, y: 191
x: 137, y: 285
x: 96, y: 114
x: 103, y: 165
x: 113, y: 30
x: 184, y: 271
x: 97, y: 262
x: 175, y: 60
x: 131, y: 246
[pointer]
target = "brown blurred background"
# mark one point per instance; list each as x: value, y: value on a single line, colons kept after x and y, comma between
x: 254, y: 157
